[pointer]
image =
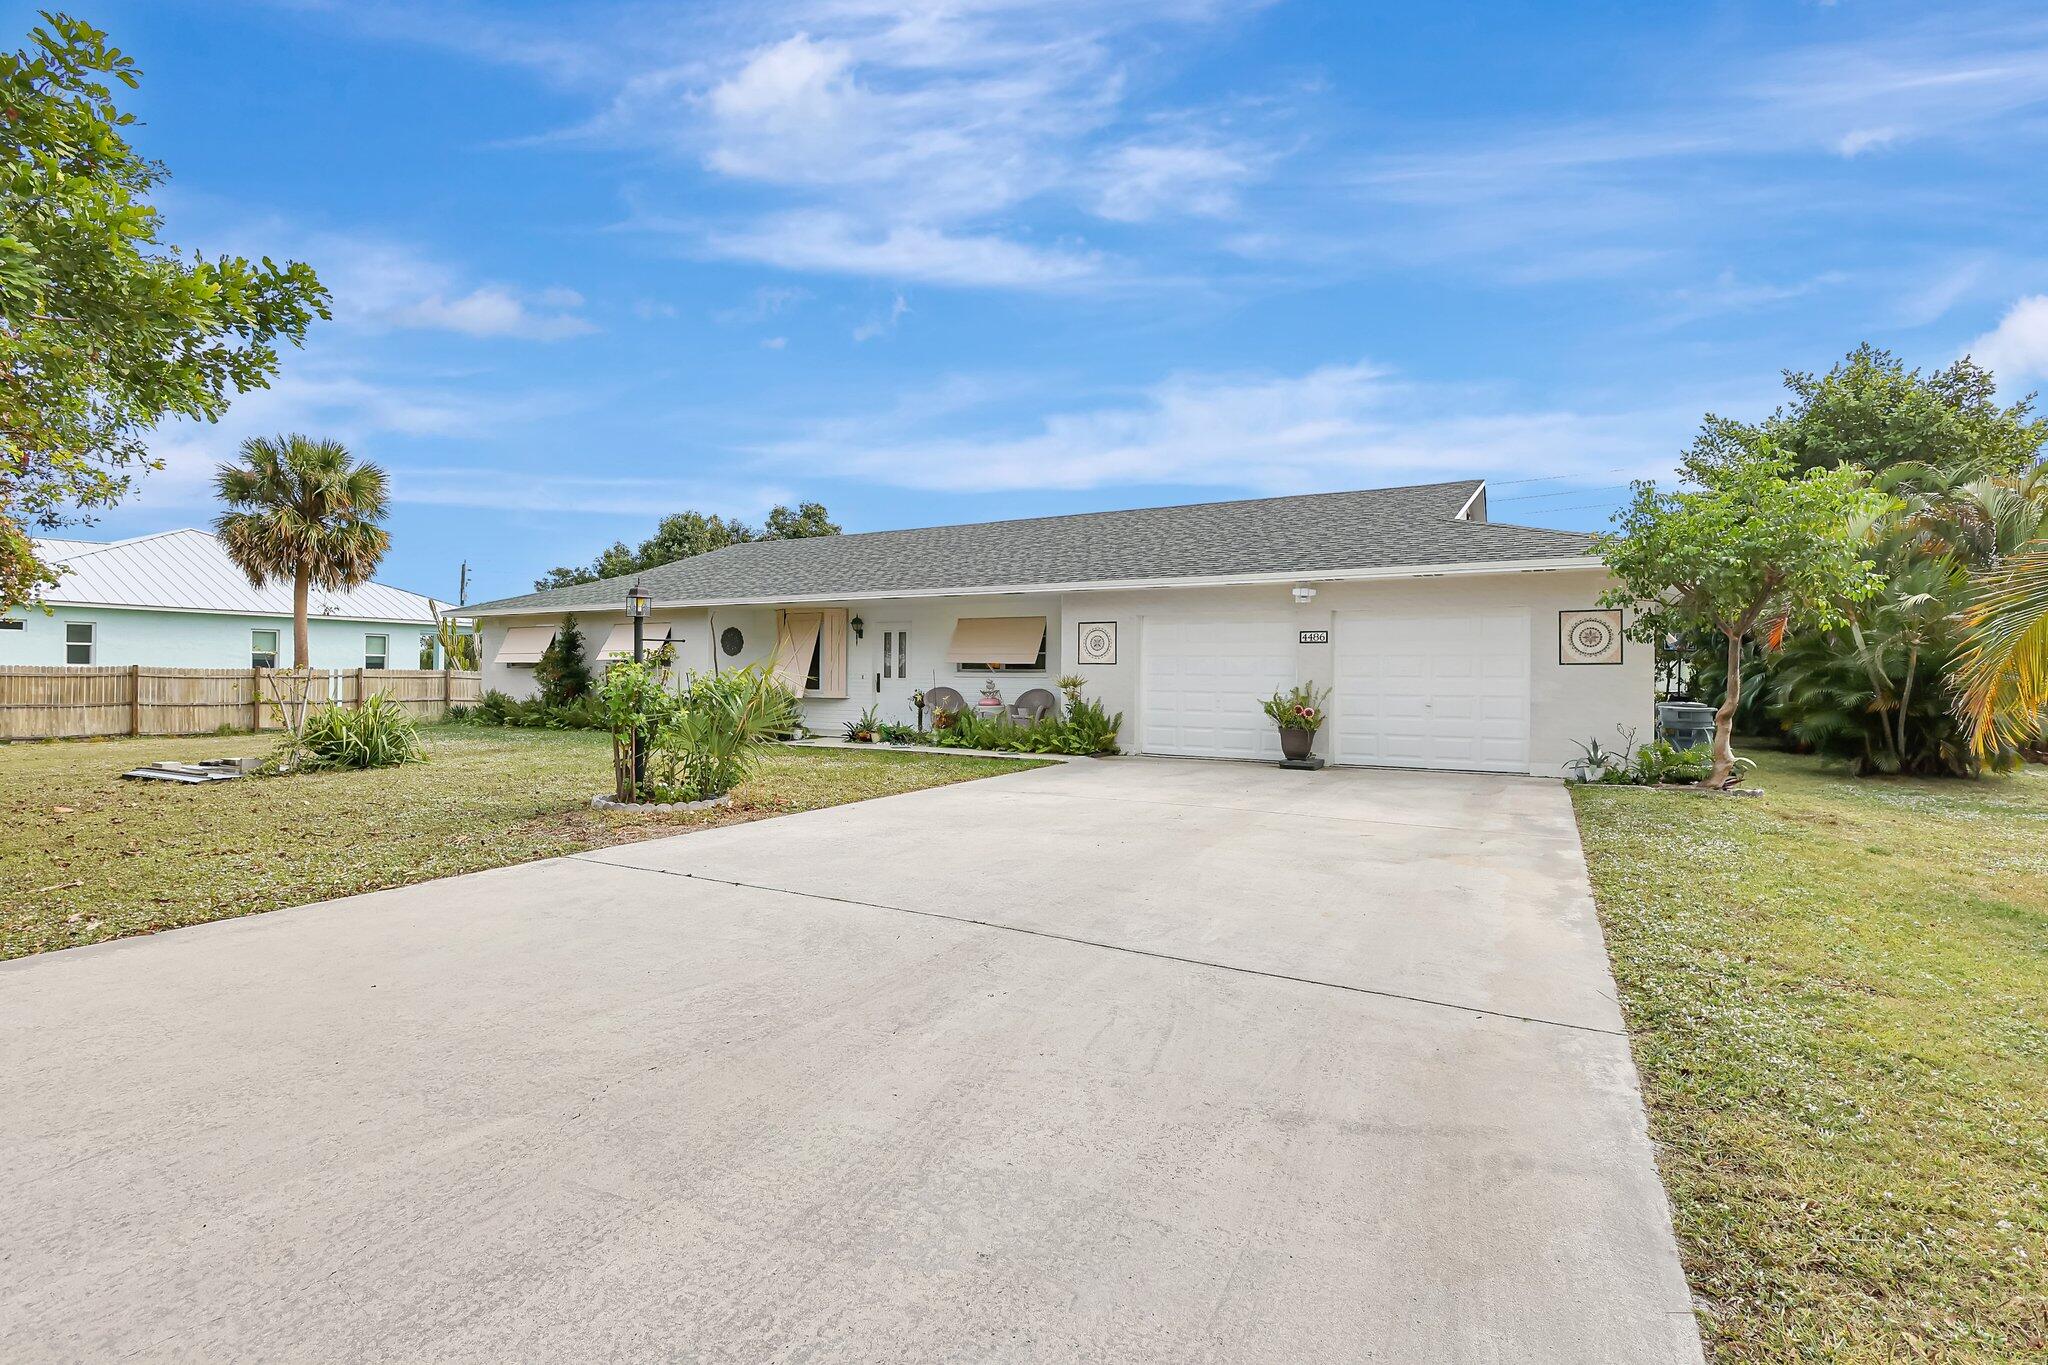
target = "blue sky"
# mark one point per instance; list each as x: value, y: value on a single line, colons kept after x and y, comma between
x: 932, y: 262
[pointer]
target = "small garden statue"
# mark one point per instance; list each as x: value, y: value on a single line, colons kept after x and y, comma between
x: 991, y: 700
x: 917, y: 700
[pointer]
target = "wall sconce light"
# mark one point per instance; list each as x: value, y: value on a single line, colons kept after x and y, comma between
x: 859, y: 628
x: 1304, y: 596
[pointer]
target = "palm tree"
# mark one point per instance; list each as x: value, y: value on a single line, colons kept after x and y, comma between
x: 2002, y: 678
x: 303, y: 509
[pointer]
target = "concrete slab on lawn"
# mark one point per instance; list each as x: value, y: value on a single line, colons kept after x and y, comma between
x: 1237, y: 1066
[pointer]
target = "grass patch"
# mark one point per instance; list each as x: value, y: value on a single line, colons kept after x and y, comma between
x: 89, y: 856
x: 1838, y: 999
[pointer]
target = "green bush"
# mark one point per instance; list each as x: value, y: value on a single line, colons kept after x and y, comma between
x: 496, y: 708
x: 1086, y: 729
x: 377, y: 734
x: 712, y: 739
x: 562, y: 673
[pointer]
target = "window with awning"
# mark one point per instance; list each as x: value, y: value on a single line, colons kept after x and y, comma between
x: 524, y: 644
x: 619, y: 644
x: 987, y: 643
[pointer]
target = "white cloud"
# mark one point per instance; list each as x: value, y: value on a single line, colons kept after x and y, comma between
x: 513, y: 490
x: 490, y: 311
x: 2016, y: 350
x: 1859, y: 140
x: 774, y: 343
x: 1353, y: 425
x: 380, y: 283
x: 903, y: 140
x: 842, y: 245
x: 766, y: 302
x: 882, y: 324
x: 334, y: 396
x: 1142, y: 181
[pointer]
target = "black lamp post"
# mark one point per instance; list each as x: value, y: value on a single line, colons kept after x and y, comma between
x: 638, y: 603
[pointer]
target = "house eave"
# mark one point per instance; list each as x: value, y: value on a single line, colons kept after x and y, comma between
x: 428, y: 619
x: 1303, y: 576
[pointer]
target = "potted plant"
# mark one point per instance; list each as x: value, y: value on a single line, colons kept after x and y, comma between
x: 1299, y: 714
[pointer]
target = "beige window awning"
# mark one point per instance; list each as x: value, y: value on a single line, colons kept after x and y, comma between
x: 997, y: 640
x: 619, y: 644
x: 525, y: 644
x: 796, y: 639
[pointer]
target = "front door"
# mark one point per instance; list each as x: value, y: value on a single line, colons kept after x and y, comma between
x: 892, y: 674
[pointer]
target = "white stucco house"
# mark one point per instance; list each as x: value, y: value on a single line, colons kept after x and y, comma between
x: 1447, y: 640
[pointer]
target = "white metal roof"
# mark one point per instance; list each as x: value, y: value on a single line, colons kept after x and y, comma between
x: 188, y: 570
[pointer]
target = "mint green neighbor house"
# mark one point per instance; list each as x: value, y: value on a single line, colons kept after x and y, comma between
x: 175, y: 600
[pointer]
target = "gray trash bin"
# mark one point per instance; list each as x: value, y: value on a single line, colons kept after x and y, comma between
x: 1686, y: 724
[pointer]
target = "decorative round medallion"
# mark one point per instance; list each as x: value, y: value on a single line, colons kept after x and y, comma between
x: 1098, y: 643
x: 1590, y: 637
x: 731, y: 641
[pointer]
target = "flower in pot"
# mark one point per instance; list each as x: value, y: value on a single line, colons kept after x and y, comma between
x: 1299, y: 714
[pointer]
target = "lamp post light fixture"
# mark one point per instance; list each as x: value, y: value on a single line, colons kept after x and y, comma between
x: 638, y: 603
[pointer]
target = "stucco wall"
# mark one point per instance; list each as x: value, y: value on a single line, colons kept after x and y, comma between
x: 1566, y: 703
x: 169, y: 639
x: 929, y: 620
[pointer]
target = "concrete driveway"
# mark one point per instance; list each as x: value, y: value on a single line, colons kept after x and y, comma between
x: 1137, y: 1060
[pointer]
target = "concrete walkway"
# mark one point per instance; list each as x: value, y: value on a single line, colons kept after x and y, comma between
x: 1137, y: 1060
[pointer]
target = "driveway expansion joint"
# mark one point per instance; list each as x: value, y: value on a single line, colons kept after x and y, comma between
x: 1424, y: 1000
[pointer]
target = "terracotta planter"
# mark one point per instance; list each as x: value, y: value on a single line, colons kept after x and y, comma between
x: 1295, y: 743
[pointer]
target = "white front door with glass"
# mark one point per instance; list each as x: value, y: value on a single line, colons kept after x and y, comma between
x: 892, y: 675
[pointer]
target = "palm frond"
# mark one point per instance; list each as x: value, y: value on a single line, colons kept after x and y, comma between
x: 2001, y: 679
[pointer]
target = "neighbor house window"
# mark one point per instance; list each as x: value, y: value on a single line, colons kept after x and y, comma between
x: 263, y: 649
x: 376, y: 649
x: 427, y: 643
x: 80, y: 640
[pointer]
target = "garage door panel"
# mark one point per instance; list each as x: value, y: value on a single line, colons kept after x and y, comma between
x: 1202, y: 681
x: 1432, y: 692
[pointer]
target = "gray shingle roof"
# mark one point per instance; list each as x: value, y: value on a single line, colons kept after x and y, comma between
x: 1378, y: 528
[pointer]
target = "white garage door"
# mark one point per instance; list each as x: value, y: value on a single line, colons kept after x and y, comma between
x: 1203, y: 681
x: 1432, y: 692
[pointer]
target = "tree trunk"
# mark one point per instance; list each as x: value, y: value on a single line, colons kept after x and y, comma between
x: 1906, y: 702
x: 302, y: 648
x: 1724, y: 719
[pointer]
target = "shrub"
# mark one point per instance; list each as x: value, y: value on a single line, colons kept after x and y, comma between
x: 867, y: 728
x: 377, y: 734
x: 1086, y: 729
x: 891, y: 733
x: 562, y: 672
x: 496, y: 708
x: 714, y: 736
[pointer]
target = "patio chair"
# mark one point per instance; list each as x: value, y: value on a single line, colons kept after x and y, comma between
x: 937, y: 699
x: 1034, y: 705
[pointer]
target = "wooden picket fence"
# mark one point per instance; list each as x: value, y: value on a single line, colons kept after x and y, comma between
x: 73, y: 703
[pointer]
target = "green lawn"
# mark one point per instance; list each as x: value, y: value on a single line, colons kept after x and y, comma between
x: 1838, y: 997
x: 88, y: 856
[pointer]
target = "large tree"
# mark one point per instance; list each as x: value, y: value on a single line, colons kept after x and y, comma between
x: 104, y: 331
x: 305, y: 510
x: 1744, y: 541
x: 681, y: 535
x: 1870, y: 410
